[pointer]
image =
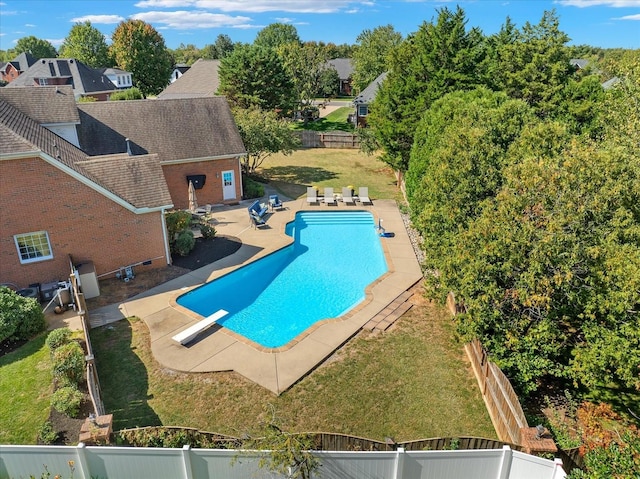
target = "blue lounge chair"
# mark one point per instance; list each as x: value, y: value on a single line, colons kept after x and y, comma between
x: 275, y: 203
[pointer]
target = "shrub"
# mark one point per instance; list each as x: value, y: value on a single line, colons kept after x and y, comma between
x: 58, y: 337
x: 177, y: 221
x: 252, y: 189
x: 185, y: 243
x: 20, y: 317
x: 47, y: 435
x: 68, y: 364
x: 128, y: 94
x: 67, y: 400
x: 207, y: 231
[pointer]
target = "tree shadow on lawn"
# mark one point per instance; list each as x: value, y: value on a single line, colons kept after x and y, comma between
x: 300, y: 176
x: 123, y: 377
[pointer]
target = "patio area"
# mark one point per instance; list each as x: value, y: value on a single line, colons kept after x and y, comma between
x: 219, y: 349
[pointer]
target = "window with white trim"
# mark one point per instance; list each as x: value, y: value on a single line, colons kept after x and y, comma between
x: 33, y: 247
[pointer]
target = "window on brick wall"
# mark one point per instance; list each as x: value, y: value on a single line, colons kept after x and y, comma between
x: 33, y: 247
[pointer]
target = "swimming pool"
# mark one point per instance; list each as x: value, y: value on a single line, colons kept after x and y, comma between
x: 322, y: 274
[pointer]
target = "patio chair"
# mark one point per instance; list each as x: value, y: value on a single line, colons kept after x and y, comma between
x: 329, y: 199
x: 347, y: 197
x: 312, y: 195
x: 257, y: 221
x: 363, y: 195
x: 275, y: 203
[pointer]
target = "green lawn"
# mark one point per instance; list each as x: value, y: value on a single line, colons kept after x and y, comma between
x: 409, y: 383
x: 25, y: 392
x: 329, y: 167
x: 336, y: 120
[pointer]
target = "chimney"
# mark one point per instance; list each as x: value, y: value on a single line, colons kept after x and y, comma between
x: 128, y: 147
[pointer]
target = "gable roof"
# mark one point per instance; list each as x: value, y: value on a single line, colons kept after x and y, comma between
x: 46, y: 105
x: 176, y: 130
x: 72, y: 72
x: 22, y: 136
x: 201, y: 80
x: 368, y: 94
x: 21, y: 63
x: 343, y: 66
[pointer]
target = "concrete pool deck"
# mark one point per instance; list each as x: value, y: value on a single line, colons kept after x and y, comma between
x: 218, y: 349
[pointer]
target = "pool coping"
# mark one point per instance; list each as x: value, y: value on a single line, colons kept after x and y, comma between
x: 219, y: 349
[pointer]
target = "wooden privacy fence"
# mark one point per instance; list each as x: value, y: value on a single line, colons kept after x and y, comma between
x: 498, y: 394
x: 330, y: 139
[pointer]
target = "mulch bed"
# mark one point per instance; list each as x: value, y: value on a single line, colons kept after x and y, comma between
x: 208, y: 251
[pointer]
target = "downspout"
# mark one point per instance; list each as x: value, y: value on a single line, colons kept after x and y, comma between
x: 240, y: 171
x: 165, y: 237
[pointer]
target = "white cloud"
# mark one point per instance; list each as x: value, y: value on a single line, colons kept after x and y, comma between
x: 597, y: 3
x: 630, y: 17
x: 254, y: 6
x: 284, y: 19
x: 56, y: 42
x: 31, y: 25
x: 99, y: 19
x: 184, y: 20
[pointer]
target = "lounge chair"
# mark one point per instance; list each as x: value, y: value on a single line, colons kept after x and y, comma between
x: 347, y: 197
x: 312, y: 195
x: 257, y: 221
x: 329, y: 199
x: 275, y: 203
x: 363, y: 195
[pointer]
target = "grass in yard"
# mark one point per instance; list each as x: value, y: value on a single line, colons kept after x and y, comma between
x: 25, y: 392
x: 329, y: 167
x: 411, y: 382
x: 336, y: 120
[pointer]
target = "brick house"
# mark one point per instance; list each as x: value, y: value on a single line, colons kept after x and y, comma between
x: 59, y: 203
x: 93, y: 181
x: 85, y: 81
x: 194, y: 138
x: 9, y: 71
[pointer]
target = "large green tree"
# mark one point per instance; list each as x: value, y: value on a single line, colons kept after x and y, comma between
x: 276, y: 35
x: 439, y: 58
x: 534, y: 64
x: 35, y: 46
x: 370, y: 57
x: 222, y: 47
x: 305, y: 65
x: 87, y: 44
x: 255, y: 77
x: 138, y: 48
x: 263, y: 134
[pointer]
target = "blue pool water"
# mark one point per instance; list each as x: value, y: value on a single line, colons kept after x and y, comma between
x: 323, y: 274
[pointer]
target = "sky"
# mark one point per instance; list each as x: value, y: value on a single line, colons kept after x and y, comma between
x: 600, y: 23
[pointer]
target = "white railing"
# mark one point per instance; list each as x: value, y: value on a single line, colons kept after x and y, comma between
x: 127, y: 462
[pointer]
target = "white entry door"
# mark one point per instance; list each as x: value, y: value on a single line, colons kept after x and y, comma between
x: 228, y: 185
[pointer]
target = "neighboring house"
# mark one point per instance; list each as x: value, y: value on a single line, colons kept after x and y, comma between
x: 52, y: 107
x: 344, y: 67
x: 178, y: 71
x: 120, y: 78
x: 194, y: 138
x: 201, y: 80
x: 610, y: 83
x: 11, y: 70
x: 364, y: 99
x: 85, y: 81
x: 579, y: 63
x: 62, y: 207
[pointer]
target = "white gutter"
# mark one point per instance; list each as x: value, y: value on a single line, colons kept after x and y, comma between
x: 165, y: 237
x: 204, y: 158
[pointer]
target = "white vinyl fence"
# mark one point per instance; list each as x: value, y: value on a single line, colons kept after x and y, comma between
x: 153, y: 463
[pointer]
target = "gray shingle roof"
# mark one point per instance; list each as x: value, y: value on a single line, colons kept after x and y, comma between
x: 73, y: 72
x: 21, y: 134
x: 173, y: 129
x: 368, y: 94
x: 47, y: 104
x: 343, y: 66
x: 22, y: 62
x: 198, y: 81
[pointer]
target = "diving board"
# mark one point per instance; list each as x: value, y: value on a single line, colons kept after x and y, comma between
x: 191, y: 332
